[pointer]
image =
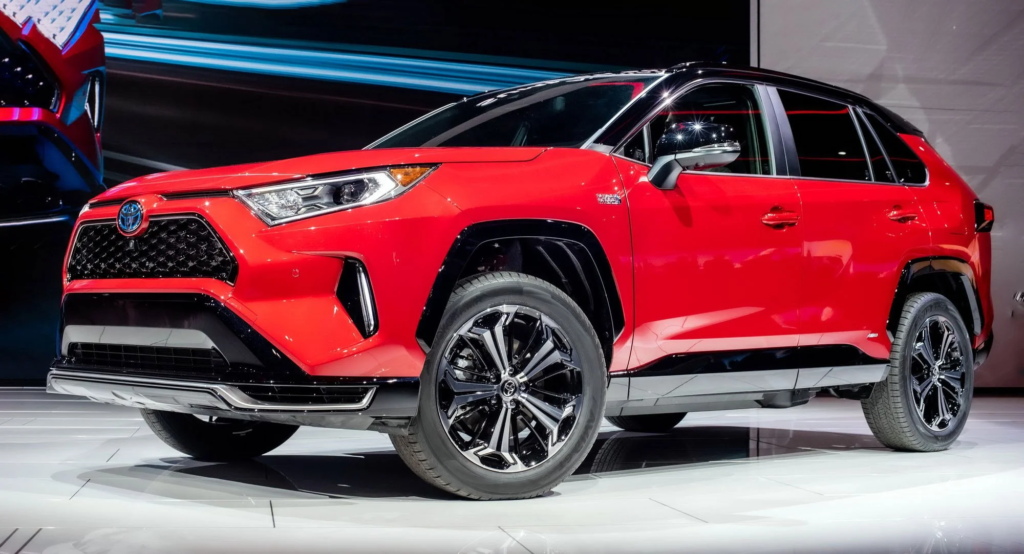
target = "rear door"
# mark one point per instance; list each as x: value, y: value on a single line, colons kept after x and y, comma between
x: 859, y: 228
x: 717, y: 258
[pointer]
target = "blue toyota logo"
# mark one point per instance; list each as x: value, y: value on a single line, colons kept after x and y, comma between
x: 129, y: 217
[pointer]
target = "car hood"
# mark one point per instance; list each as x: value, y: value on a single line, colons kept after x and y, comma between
x: 248, y: 175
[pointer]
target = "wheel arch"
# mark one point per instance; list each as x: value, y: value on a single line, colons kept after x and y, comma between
x: 567, y: 255
x: 948, y: 276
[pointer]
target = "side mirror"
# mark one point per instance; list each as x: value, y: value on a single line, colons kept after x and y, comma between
x: 666, y: 169
x: 692, y: 145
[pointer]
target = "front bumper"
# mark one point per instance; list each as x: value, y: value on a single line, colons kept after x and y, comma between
x: 380, y: 406
x: 290, y: 288
x: 189, y: 353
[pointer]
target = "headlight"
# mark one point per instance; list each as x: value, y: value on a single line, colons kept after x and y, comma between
x: 310, y: 197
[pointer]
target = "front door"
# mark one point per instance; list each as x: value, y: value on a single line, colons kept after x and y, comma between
x: 718, y: 257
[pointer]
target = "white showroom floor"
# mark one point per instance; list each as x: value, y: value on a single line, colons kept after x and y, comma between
x: 81, y: 477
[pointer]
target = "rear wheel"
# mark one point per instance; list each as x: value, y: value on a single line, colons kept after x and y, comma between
x: 923, y: 403
x: 512, y: 392
x: 648, y: 423
x: 217, y: 439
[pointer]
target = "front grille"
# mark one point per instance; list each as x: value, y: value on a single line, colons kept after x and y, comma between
x: 147, y: 358
x: 183, y: 246
x: 25, y: 82
x: 305, y: 394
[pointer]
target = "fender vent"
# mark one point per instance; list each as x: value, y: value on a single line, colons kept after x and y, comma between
x: 356, y: 296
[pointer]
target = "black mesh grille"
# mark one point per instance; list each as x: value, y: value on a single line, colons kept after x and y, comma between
x: 147, y: 358
x: 299, y: 394
x: 171, y: 247
x: 24, y: 81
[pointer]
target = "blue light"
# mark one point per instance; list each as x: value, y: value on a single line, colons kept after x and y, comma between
x: 421, y: 74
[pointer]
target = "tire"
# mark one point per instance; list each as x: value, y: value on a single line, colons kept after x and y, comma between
x: 220, y: 440
x: 649, y: 423
x: 439, y: 447
x: 894, y: 408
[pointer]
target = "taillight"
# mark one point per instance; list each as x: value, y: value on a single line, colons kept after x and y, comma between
x: 984, y: 216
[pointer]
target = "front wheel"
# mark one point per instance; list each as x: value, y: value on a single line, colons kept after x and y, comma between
x: 217, y: 439
x: 512, y: 392
x: 923, y: 403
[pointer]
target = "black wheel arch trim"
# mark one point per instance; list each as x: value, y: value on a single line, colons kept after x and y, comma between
x: 962, y: 276
x: 578, y: 242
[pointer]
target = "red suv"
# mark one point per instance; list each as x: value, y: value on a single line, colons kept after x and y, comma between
x: 489, y: 281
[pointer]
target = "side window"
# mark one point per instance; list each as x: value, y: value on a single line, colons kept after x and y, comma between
x: 827, y: 143
x: 879, y: 165
x: 909, y: 168
x: 716, y: 113
x: 636, y: 147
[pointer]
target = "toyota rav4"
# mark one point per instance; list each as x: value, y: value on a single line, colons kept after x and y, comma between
x: 489, y: 281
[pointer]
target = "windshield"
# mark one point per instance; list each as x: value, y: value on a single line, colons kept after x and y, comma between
x: 565, y: 113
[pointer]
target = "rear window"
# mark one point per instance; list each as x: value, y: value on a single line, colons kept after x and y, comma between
x: 909, y: 168
x: 826, y: 138
x: 565, y: 113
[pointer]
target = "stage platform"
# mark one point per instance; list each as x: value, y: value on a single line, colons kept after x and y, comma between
x: 76, y: 476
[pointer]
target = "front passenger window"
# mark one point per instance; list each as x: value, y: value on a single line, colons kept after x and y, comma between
x: 715, y: 114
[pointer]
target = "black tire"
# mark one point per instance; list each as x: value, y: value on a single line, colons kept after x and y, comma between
x: 220, y: 440
x: 648, y: 423
x: 892, y: 409
x: 427, y: 448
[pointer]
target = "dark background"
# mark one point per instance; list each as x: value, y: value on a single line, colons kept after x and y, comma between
x: 172, y: 113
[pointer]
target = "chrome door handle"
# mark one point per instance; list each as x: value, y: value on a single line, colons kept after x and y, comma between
x: 900, y: 215
x: 778, y: 218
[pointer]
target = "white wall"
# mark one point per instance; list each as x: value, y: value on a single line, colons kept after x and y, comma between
x: 955, y: 69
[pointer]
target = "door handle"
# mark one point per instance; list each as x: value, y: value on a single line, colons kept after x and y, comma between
x: 779, y: 218
x: 900, y: 215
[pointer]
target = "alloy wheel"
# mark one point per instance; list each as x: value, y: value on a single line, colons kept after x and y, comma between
x: 509, y: 388
x: 938, y: 374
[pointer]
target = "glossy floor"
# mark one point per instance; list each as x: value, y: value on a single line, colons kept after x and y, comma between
x: 82, y: 477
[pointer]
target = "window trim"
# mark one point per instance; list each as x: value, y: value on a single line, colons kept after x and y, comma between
x: 765, y: 106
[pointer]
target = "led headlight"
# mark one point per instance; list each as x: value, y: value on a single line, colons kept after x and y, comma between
x: 314, y: 196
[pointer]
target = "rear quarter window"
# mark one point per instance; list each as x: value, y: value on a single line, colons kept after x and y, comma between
x: 909, y: 168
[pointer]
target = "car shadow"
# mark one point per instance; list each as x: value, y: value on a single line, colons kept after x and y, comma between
x: 382, y: 474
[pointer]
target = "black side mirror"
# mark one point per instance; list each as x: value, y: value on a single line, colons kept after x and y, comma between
x: 692, y: 145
